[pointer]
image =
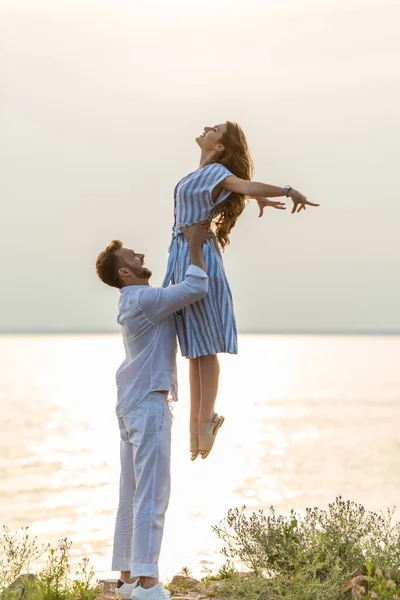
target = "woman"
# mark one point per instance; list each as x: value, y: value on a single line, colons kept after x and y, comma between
x: 216, y: 191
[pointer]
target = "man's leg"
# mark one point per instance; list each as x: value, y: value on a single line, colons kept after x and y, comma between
x: 122, y: 551
x: 149, y: 430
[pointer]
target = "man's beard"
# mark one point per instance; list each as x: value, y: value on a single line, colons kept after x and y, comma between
x: 144, y: 273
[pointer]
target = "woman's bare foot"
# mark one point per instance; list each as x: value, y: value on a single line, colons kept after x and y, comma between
x: 194, y: 447
x: 204, y: 429
x: 210, y: 429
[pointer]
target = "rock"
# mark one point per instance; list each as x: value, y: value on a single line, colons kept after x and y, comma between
x: 181, y: 580
x: 357, y: 584
x: 18, y: 584
x: 183, y: 585
x: 108, y: 590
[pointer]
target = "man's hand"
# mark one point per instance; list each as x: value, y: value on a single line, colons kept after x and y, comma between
x: 263, y: 202
x: 197, y: 234
x: 299, y: 201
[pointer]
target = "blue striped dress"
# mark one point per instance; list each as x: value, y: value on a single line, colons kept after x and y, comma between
x: 208, y: 326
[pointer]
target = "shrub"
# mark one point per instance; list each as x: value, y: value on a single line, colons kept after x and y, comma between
x: 53, y: 582
x: 314, y: 555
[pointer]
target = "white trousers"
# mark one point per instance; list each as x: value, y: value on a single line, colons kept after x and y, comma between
x: 144, y: 486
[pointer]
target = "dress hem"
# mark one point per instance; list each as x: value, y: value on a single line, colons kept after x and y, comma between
x: 199, y: 354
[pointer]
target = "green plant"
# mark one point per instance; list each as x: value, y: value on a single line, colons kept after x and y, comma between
x: 381, y: 583
x: 226, y: 571
x: 185, y: 571
x: 53, y: 582
x: 313, y: 556
x: 17, y: 552
x: 82, y: 585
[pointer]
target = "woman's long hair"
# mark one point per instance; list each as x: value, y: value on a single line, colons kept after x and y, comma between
x: 236, y: 157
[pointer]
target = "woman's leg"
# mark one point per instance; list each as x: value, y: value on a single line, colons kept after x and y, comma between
x: 209, y: 376
x: 195, y: 397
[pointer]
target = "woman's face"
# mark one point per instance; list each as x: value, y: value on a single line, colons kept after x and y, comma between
x: 210, y: 139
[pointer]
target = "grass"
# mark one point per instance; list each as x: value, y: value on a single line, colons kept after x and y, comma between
x: 342, y: 553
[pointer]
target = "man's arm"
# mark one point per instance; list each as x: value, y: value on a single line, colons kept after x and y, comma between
x: 196, y: 235
x: 158, y: 303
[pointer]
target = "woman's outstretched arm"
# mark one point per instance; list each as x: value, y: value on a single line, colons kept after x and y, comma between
x: 254, y: 189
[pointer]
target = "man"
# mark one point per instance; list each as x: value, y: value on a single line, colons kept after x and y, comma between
x: 145, y: 380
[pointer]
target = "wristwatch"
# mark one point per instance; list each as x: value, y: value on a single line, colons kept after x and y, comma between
x: 287, y: 189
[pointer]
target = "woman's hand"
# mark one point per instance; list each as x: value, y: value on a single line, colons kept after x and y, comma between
x: 299, y: 201
x: 263, y: 202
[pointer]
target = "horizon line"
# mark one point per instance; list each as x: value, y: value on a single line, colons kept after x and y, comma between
x: 245, y: 332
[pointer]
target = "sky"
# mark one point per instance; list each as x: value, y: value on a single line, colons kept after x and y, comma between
x: 100, y: 104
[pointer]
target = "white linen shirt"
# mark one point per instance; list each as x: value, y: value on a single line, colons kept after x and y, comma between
x: 146, y: 316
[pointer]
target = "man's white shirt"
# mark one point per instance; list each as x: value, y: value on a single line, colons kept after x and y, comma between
x: 146, y: 316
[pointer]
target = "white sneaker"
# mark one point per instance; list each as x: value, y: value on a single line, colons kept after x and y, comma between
x: 123, y: 590
x: 157, y: 592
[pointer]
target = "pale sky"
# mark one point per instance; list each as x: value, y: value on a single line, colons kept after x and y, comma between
x: 101, y: 102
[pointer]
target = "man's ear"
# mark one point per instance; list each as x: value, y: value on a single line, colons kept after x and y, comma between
x: 124, y: 272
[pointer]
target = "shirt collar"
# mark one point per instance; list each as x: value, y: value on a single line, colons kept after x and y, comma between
x: 129, y: 288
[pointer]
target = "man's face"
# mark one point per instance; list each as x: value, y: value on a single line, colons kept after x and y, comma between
x: 129, y: 259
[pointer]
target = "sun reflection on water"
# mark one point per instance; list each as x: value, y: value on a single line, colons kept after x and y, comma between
x: 297, y: 432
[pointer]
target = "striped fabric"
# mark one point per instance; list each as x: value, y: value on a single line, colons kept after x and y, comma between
x: 208, y: 326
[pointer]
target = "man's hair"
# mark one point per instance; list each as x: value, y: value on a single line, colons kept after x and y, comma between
x: 107, y: 265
